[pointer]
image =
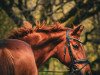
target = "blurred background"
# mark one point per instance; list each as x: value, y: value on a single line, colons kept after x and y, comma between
x: 68, y: 12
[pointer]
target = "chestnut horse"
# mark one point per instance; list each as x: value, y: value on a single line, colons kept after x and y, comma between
x: 16, y: 58
x: 58, y: 42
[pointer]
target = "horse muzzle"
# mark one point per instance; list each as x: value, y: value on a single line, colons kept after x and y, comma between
x: 85, y: 71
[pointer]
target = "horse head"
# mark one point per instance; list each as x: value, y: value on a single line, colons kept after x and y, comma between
x: 72, y: 53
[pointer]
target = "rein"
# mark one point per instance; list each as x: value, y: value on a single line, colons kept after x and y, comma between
x: 73, y: 61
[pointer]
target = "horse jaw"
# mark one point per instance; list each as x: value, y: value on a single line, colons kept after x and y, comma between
x: 84, y: 71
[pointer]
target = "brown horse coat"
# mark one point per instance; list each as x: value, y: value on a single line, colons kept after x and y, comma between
x: 16, y: 58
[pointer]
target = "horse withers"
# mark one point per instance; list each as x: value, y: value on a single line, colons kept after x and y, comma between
x: 58, y: 42
x: 16, y: 58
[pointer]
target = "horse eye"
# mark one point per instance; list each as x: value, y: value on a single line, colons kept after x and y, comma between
x: 75, y: 46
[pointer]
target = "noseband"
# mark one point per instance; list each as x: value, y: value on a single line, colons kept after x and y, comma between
x: 74, y: 61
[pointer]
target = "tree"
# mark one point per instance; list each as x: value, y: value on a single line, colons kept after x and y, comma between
x: 25, y: 9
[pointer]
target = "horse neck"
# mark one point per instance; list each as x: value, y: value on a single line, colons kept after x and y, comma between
x: 44, y: 45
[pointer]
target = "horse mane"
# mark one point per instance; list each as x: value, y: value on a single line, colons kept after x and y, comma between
x: 27, y: 29
x: 22, y: 31
x: 55, y: 27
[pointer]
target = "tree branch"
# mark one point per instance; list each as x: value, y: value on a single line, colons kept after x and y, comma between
x: 83, y: 15
x: 8, y: 9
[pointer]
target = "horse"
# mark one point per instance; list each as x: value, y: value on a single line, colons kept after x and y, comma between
x: 55, y: 41
x: 16, y: 58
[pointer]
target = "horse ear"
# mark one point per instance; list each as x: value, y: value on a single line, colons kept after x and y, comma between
x: 26, y: 24
x: 77, y: 30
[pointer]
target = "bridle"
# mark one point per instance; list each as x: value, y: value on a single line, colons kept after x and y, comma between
x: 73, y: 61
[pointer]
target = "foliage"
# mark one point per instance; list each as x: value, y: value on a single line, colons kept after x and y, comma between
x: 6, y: 25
